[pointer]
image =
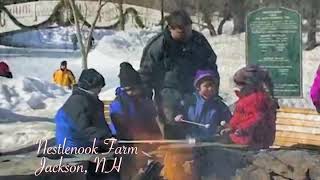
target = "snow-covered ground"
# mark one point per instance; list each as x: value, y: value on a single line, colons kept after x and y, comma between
x: 29, y: 101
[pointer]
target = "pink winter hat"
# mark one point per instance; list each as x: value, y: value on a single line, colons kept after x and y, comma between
x: 201, y: 74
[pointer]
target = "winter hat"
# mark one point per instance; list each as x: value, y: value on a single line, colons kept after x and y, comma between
x: 253, y: 76
x: 63, y: 63
x: 201, y: 74
x: 249, y: 75
x: 90, y: 79
x: 128, y: 76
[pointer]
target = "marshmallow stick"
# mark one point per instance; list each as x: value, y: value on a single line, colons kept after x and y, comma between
x: 188, y: 141
x: 197, y: 124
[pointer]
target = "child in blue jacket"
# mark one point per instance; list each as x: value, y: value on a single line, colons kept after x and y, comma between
x: 133, y: 114
x: 205, y: 107
x: 134, y: 117
x: 81, y: 119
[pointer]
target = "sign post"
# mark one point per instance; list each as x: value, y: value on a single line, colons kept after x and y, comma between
x: 273, y: 42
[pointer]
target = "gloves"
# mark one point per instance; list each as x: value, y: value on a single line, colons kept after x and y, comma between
x: 178, y: 118
x: 225, y: 131
x: 239, y: 132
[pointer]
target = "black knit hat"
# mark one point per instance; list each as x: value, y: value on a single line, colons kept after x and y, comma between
x: 90, y: 79
x: 63, y: 63
x: 128, y: 76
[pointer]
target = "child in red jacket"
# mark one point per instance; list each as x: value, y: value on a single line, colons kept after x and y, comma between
x: 253, y: 121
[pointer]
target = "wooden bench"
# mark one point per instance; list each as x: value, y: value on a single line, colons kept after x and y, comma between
x: 295, y: 126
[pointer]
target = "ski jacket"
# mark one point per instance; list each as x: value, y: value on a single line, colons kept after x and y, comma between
x: 64, y: 78
x: 254, y: 121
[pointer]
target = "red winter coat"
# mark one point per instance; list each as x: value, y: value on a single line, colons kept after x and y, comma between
x: 253, y: 122
x: 4, y: 70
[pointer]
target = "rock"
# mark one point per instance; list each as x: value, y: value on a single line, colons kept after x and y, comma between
x: 36, y: 101
x: 278, y: 178
x: 314, y: 173
x: 252, y: 173
x: 271, y: 163
x: 285, y: 164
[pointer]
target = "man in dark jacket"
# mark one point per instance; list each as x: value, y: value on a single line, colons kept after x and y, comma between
x: 179, y: 49
x: 81, y: 119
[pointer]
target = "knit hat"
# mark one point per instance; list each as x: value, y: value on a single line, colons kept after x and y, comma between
x: 201, y: 74
x: 63, y: 63
x: 253, y: 76
x: 90, y: 79
x: 128, y: 76
x: 249, y: 75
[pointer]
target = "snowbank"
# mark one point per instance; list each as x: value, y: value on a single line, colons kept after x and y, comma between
x: 51, y: 38
x: 27, y: 94
x: 23, y: 134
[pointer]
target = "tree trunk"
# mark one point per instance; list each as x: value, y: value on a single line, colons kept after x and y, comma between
x: 84, y: 63
x: 220, y: 28
x: 226, y: 14
x: 239, y: 23
x: 162, y: 14
x: 207, y: 20
x: 312, y: 19
x: 238, y: 12
x: 122, y: 15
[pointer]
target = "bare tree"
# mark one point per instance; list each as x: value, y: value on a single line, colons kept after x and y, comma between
x: 207, y: 9
x: 85, y: 43
x: 311, y: 16
x: 238, y: 11
x: 162, y: 14
x: 122, y: 18
x: 226, y: 15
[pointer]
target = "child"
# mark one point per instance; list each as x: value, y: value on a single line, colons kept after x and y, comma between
x: 253, y: 122
x: 205, y: 106
x: 315, y: 91
x: 134, y: 117
x: 81, y: 119
x: 64, y: 76
x: 131, y: 112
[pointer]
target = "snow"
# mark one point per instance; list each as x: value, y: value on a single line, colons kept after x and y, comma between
x: 23, y: 94
x: 16, y: 135
x: 29, y: 101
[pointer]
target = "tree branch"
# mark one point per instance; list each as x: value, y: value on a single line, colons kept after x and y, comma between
x: 47, y: 22
x: 100, y: 6
x: 79, y: 34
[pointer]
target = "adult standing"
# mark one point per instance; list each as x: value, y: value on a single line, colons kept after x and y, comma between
x: 177, y: 49
x: 74, y: 40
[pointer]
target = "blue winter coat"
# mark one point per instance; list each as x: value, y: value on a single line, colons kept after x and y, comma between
x: 80, y: 120
x: 211, y: 112
x: 133, y: 119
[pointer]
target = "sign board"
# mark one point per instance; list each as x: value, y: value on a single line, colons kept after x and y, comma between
x: 273, y: 41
